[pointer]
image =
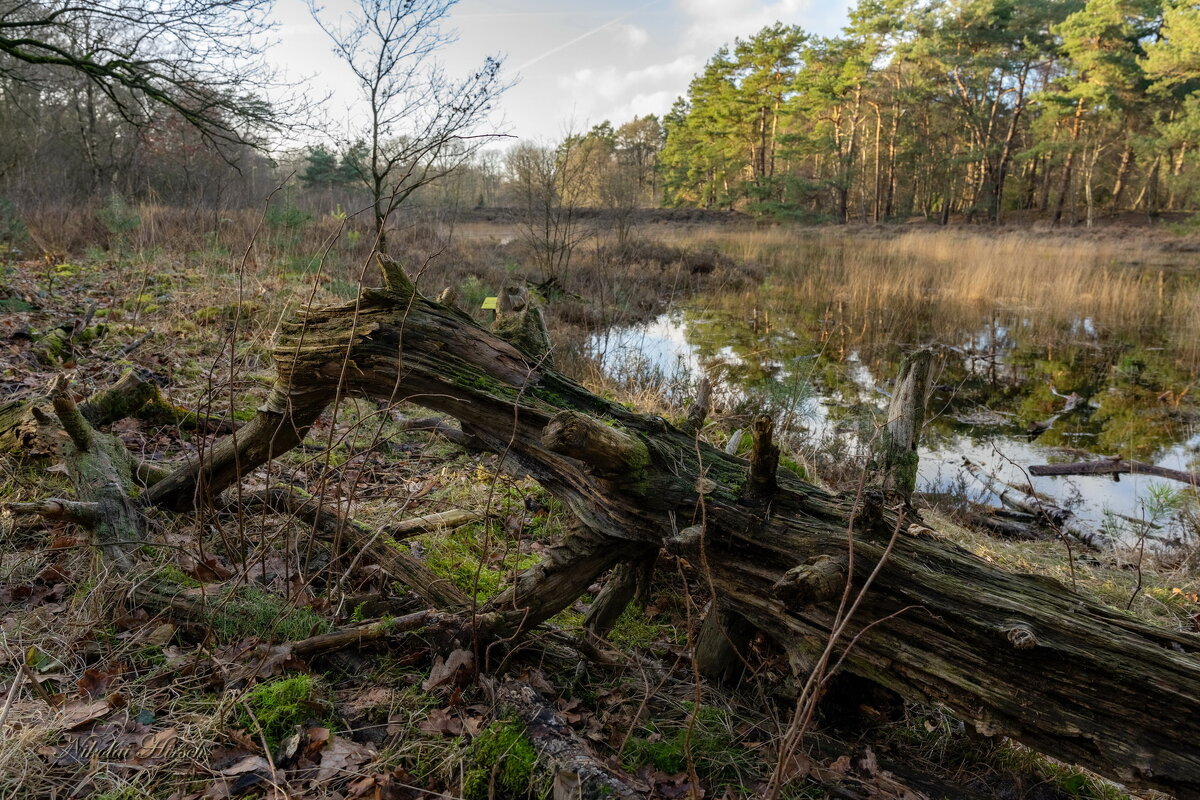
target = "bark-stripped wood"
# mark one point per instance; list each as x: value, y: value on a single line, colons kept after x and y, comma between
x: 905, y: 418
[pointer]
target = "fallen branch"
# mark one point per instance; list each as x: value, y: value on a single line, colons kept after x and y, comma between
x: 86, y: 514
x: 380, y: 546
x: 356, y: 637
x: 1059, y: 518
x: 578, y: 773
x: 1115, y: 465
x: 1071, y: 402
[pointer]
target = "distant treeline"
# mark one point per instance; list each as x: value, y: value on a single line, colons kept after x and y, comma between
x: 976, y: 107
x: 976, y: 110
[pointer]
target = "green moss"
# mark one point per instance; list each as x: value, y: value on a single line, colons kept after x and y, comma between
x: 794, y: 465
x: 14, y: 304
x: 281, y: 705
x: 249, y: 611
x: 174, y: 575
x: 501, y: 764
x: 245, y: 311
x: 634, y: 629
x: 460, y: 557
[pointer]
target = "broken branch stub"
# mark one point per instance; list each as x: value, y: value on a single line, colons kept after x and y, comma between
x: 610, y: 452
x: 764, y: 460
x: 819, y: 580
x: 521, y: 322
x: 701, y: 406
x: 905, y: 418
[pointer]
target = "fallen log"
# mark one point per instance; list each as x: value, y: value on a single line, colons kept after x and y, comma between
x: 1011, y: 654
x: 1116, y: 465
x: 1058, y: 518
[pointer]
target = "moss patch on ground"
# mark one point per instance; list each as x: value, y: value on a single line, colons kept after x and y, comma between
x: 502, y: 764
x: 281, y: 705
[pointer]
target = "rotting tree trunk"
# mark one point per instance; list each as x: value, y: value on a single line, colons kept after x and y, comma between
x: 1012, y: 654
x: 905, y: 418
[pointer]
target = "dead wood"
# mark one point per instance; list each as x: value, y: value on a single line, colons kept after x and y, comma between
x: 100, y: 469
x: 700, y: 408
x: 355, y: 637
x: 1089, y: 685
x: 577, y: 773
x: 722, y: 643
x: 1058, y: 518
x: 905, y: 418
x: 1070, y: 403
x: 382, y: 547
x: 1116, y: 466
x: 622, y: 586
x: 27, y: 427
x: 442, y: 428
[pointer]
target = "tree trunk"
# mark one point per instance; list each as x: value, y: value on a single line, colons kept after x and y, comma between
x: 1012, y: 654
x: 905, y: 418
x: 1068, y: 165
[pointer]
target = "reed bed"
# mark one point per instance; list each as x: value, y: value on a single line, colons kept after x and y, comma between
x: 1138, y: 284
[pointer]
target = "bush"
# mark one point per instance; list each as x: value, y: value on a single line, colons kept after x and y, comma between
x: 118, y: 217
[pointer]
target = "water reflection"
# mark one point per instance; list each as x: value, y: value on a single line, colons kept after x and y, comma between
x: 824, y: 371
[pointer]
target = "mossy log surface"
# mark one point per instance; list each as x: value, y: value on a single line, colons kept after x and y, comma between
x: 1012, y: 654
x: 577, y: 773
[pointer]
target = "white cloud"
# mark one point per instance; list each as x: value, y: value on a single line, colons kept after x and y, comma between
x: 634, y: 36
x: 717, y: 22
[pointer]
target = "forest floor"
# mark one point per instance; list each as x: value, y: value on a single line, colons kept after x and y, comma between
x: 102, y: 698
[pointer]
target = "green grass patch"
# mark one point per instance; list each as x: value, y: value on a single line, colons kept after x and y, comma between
x: 720, y: 758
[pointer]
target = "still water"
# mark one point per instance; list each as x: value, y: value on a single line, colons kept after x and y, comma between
x: 825, y: 374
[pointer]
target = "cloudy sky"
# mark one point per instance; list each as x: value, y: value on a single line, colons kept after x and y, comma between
x: 578, y: 63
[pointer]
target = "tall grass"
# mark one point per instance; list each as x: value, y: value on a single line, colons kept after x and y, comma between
x: 952, y: 278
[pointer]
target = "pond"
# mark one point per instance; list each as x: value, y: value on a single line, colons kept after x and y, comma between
x: 1018, y: 325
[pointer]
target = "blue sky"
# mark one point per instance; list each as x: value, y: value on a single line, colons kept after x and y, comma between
x: 579, y: 63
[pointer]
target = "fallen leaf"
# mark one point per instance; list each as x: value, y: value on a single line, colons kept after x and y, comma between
x: 445, y: 671
x: 81, y: 712
x: 440, y: 721
x: 247, y: 764
x: 342, y: 755
x: 317, y: 739
x: 158, y: 744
